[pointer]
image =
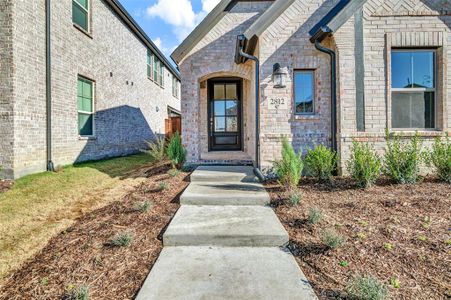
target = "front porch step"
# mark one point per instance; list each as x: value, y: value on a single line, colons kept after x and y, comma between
x: 197, y: 273
x: 231, y: 226
x: 224, y: 174
x: 224, y: 193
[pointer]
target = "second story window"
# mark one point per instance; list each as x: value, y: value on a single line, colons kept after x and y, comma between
x: 80, y: 13
x: 175, y: 87
x: 150, y: 59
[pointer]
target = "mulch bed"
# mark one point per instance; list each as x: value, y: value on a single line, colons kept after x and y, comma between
x: 414, y: 219
x: 81, y: 256
x: 5, y: 185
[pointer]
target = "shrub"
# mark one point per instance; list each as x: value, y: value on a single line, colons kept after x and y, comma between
x: 315, y: 215
x: 143, y: 206
x: 332, y: 239
x: 402, y: 160
x: 440, y: 158
x: 320, y: 163
x: 77, y: 293
x: 162, y: 186
x: 175, y: 151
x: 295, y: 197
x: 364, y: 164
x: 157, y: 150
x: 123, y: 239
x: 289, y: 168
x: 366, y: 288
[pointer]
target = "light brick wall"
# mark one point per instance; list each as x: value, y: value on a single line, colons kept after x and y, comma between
x: 386, y: 24
x: 6, y: 89
x: 129, y: 107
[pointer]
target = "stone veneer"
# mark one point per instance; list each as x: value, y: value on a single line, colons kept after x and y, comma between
x: 403, y: 23
x: 129, y: 107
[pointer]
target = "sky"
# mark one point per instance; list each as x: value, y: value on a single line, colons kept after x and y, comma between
x: 168, y: 22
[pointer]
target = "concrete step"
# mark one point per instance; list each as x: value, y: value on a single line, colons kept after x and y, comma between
x: 212, y: 273
x: 225, y: 193
x: 223, y: 174
x: 233, y: 226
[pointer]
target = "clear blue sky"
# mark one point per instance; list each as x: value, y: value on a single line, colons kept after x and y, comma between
x: 168, y: 22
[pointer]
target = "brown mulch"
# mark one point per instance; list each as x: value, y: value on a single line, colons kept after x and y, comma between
x: 414, y: 219
x: 81, y: 256
x: 5, y: 185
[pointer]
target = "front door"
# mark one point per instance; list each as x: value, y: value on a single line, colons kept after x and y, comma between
x: 224, y: 106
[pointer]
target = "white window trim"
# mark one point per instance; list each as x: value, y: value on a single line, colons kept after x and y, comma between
x: 413, y: 90
x: 88, y: 15
x: 93, y: 112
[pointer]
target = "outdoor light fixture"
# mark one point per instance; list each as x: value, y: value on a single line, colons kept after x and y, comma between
x: 279, y: 76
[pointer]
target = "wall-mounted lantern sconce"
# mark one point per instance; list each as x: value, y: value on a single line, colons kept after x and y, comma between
x: 279, y: 76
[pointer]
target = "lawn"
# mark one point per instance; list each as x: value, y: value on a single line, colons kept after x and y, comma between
x: 37, y: 207
x: 399, y: 234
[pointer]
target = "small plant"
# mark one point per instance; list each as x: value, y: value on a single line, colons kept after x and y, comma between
x: 332, y: 239
x: 440, y: 158
x: 157, y: 150
x: 315, y: 215
x: 295, y: 197
x: 448, y: 242
x: 173, y: 172
x: 364, y: 164
x: 77, y: 293
x: 388, y: 246
x: 422, y: 238
x: 45, y: 281
x: 321, y: 163
x: 143, y: 206
x: 366, y: 288
x: 123, y: 239
x: 175, y: 151
x: 344, y: 263
x: 402, y: 160
x: 394, y: 282
x: 361, y: 235
x: 162, y: 186
x: 289, y: 168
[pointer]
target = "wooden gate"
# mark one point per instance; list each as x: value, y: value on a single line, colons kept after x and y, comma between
x: 173, y: 125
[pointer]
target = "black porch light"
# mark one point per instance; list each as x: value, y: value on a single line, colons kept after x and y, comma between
x: 279, y: 76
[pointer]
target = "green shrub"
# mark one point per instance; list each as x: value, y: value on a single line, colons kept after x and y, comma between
x: 157, y: 150
x: 364, y: 164
x: 162, y: 186
x: 173, y: 172
x: 315, y: 215
x: 366, y: 288
x: 175, y: 151
x: 332, y: 239
x: 402, y: 160
x: 77, y: 293
x: 440, y: 158
x: 320, y: 163
x: 123, y: 239
x: 143, y: 206
x: 289, y: 168
x: 295, y: 197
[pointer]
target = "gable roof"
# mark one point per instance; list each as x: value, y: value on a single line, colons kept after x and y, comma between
x: 201, y: 30
x: 139, y: 32
x: 335, y: 18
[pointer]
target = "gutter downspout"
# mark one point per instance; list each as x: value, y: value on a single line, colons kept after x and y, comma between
x: 48, y: 65
x: 333, y: 76
x: 257, y: 171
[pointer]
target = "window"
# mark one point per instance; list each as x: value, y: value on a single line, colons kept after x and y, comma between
x: 85, y: 102
x: 161, y: 78
x: 80, y: 13
x: 304, y: 92
x: 413, y: 89
x: 150, y: 58
x: 175, y: 87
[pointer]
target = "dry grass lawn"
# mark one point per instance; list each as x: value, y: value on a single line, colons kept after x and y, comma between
x: 39, y: 206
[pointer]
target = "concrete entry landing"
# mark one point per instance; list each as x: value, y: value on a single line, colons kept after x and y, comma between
x: 221, y: 251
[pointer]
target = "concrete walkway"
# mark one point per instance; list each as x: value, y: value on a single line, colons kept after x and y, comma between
x: 225, y: 243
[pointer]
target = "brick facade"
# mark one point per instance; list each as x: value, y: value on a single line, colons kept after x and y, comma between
x: 129, y: 107
x: 400, y: 23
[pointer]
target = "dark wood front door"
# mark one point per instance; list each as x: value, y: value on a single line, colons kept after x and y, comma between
x: 224, y: 108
